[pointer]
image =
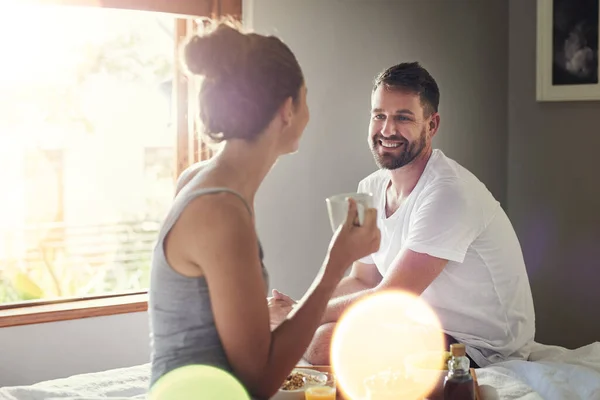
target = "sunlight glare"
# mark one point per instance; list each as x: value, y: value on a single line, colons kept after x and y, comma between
x: 374, y: 341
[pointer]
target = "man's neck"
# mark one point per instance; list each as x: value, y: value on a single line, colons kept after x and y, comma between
x: 404, y: 179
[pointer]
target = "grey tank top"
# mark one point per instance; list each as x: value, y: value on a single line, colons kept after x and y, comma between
x: 182, y: 325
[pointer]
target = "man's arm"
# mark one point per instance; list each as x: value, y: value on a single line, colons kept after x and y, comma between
x: 362, y: 277
x: 441, y: 230
x: 410, y: 272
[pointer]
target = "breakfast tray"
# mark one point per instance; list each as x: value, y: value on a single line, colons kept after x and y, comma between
x: 326, y: 368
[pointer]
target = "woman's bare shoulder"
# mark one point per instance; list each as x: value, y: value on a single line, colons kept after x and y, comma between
x: 217, y: 223
x: 190, y: 173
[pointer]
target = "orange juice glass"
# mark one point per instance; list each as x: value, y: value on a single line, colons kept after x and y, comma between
x: 322, y: 391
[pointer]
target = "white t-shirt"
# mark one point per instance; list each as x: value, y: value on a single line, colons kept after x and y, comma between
x: 482, y: 297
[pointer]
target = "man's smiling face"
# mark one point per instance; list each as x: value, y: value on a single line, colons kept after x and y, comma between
x: 397, y: 128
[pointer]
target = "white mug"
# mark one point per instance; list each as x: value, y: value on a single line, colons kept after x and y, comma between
x: 337, y: 207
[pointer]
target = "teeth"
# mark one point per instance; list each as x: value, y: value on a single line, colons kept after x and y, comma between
x: 390, y: 144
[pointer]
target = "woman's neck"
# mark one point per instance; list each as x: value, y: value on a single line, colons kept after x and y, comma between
x: 244, y: 165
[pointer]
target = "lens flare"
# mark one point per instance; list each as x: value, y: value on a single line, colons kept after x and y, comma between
x: 376, y: 341
x: 198, y: 382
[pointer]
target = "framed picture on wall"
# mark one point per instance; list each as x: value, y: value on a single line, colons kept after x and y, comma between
x: 567, y: 50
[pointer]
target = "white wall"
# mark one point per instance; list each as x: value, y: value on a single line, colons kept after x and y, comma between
x: 341, y: 45
x: 32, y: 353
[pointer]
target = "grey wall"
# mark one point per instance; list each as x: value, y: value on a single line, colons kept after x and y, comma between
x: 554, y: 194
x: 341, y: 46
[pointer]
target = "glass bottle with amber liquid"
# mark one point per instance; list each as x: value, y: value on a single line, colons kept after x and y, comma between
x: 459, y: 385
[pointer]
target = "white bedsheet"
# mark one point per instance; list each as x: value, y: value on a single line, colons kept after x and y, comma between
x: 554, y: 373
x: 116, y: 384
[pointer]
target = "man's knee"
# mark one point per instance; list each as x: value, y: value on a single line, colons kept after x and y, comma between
x: 318, y: 350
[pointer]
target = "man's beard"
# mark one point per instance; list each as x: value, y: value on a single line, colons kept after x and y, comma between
x: 393, y: 160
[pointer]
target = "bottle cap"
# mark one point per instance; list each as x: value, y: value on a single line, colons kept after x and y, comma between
x: 458, y: 350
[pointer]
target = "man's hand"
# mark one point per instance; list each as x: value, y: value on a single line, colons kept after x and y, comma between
x: 280, y: 305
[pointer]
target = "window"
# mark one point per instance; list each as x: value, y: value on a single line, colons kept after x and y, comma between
x: 91, y: 142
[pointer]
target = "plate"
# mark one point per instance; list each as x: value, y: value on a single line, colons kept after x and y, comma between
x: 298, y: 394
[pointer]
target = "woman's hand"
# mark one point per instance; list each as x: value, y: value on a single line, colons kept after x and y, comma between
x: 352, y: 241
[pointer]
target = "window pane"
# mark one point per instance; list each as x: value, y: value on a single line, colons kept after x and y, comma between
x: 87, y: 149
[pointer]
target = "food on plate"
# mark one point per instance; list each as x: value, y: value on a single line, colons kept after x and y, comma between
x: 296, y: 380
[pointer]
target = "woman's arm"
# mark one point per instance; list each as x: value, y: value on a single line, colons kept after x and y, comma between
x: 223, y: 243
x: 362, y: 277
x: 225, y: 247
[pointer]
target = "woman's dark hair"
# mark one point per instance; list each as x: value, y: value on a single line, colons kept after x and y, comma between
x: 246, y: 78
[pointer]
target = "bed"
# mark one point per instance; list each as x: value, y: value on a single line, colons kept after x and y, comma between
x: 553, y: 373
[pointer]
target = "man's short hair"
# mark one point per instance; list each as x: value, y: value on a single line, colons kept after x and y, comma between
x: 411, y: 77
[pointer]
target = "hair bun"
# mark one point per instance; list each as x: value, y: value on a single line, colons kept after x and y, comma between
x: 216, y: 50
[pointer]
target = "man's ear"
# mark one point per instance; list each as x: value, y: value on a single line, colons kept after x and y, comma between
x: 434, y: 124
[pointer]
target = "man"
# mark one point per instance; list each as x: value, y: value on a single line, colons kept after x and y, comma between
x: 444, y: 236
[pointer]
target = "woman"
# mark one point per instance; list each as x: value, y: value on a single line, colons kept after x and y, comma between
x: 208, y: 288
